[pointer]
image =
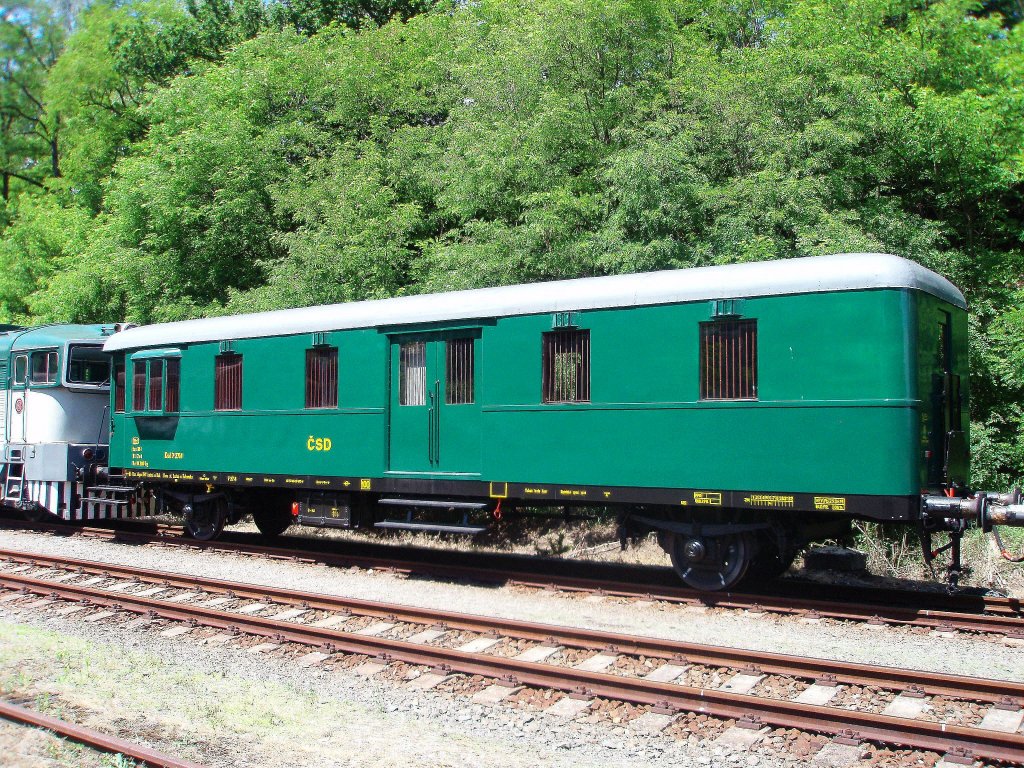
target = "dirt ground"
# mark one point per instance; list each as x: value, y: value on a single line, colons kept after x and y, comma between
x: 22, y: 747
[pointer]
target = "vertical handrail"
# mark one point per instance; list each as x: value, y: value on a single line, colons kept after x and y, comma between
x: 437, y: 422
x: 430, y: 430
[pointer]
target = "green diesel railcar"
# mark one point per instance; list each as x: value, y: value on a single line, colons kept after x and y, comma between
x: 734, y: 409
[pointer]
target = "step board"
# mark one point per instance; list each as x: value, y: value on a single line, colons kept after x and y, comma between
x: 114, y: 502
x: 433, y: 503
x: 431, y: 527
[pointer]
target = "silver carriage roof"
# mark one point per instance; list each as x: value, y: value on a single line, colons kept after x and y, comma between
x: 815, y: 274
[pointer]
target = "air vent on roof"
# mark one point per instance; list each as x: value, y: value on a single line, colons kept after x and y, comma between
x: 726, y: 307
x: 563, y: 320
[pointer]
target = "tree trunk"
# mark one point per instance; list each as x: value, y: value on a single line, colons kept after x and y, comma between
x: 55, y: 148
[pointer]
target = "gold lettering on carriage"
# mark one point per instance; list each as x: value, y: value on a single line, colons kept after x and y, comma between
x: 318, y: 443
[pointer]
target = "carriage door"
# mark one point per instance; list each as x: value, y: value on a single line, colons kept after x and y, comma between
x: 434, y: 410
x: 946, y: 438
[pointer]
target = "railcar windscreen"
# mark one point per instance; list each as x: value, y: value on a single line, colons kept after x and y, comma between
x: 44, y: 368
x: 89, y: 365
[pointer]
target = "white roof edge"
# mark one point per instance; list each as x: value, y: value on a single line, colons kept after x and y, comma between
x: 814, y: 274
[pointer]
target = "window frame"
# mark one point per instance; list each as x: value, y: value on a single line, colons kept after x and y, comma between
x: 705, y: 390
x: 405, y: 385
x: 549, y: 385
x: 55, y: 381
x: 241, y: 390
x: 21, y: 357
x: 84, y: 386
x: 467, y: 365
x: 312, y: 353
x: 120, y: 391
x: 165, y: 361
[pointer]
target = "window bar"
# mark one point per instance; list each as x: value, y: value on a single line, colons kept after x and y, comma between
x: 139, y: 385
x: 119, y: 386
x: 156, y: 383
x: 173, y: 386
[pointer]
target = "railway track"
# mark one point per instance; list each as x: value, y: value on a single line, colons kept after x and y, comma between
x: 140, y: 754
x: 965, y: 612
x: 982, y: 717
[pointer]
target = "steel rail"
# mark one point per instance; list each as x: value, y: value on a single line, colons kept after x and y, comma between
x: 91, y: 738
x: 933, y: 683
x: 1000, y: 616
x: 915, y: 734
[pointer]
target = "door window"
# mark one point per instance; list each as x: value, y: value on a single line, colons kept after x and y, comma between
x: 459, y: 373
x: 413, y: 373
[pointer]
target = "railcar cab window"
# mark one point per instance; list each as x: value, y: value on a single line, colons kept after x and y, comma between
x: 322, y: 377
x: 728, y: 359
x: 155, y: 386
x: 227, y: 382
x: 566, y: 366
x: 20, y: 370
x: 88, y: 366
x: 44, y: 368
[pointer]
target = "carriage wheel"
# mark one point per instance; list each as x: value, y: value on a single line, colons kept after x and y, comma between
x: 273, y: 519
x: 712, y: 563
x: 205, y: 521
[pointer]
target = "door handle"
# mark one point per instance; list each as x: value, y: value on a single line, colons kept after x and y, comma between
x: 437, y: 421
x: 430, y: 429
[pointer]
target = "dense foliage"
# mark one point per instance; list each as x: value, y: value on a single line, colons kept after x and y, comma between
x: 164, y: 160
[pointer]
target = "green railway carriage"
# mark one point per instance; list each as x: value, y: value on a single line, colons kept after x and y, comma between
x: 734, y: 409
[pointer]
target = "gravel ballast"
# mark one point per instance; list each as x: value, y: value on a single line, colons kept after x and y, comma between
x: 222, y: 706
x: 904, y: 648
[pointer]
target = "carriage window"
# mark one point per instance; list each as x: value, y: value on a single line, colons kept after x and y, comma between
x: 412, y: 373
x: 20, y: 370
x: 44, y: 368
x: 566, y: 367
x: 728, y: 360
x: 227, y: 394
x: 322, y: 377
x: 171, y: 405
x: 119, y: 385
x: 459, y: 365
x: 88, y: 364
x: 139, y: 385
x: 156, y: 385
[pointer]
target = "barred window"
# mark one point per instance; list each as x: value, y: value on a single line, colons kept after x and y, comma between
x: 412, y: 373
x: 139, y: 385
x: 156, y: 385
x: 728, y: 360
x: 566, y: 367
x: 322, y: 377
x: 459, y: 364
x: 119, y: 385
x: 227, y: 382
x: 173, y: 399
